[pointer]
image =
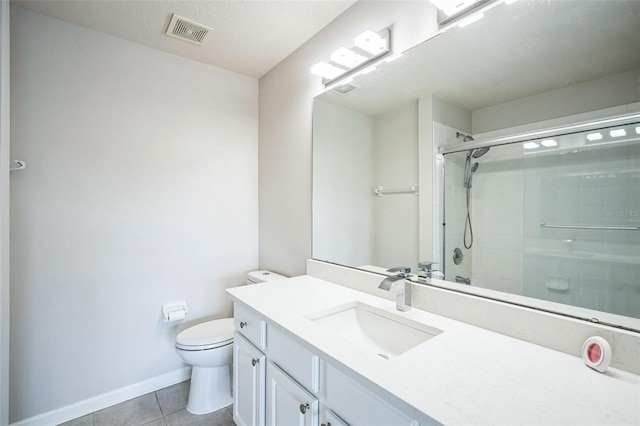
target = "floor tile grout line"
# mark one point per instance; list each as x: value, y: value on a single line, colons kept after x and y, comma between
x: 155, y: 393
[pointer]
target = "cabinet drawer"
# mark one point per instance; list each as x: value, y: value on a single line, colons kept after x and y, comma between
x: 250, y: 325
x: 297, y: 361
x: 358, y: 406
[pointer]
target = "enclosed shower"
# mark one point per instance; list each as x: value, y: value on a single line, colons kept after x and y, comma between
x: 554, y: 216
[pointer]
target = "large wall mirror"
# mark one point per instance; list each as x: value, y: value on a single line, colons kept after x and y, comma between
x: 508, y: 151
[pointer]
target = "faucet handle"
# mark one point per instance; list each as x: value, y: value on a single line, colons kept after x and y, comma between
x: 402, y: 269
x: 427, y: 266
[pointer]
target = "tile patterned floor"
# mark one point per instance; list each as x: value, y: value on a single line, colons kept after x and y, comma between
x: 164, y: 407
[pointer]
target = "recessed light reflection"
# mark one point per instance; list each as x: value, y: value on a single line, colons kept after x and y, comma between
x: 638, y: 130
x: 617, y: 133
x: 368, y: 70
x: 549, y: 142
x: 471, y: 19
x: 594, y: 136
x: 530, y: 145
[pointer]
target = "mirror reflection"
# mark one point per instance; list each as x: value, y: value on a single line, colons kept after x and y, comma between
x: 404, y: 150
x: 556, y: 219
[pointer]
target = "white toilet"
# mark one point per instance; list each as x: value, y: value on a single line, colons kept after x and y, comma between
x: 208, y: 347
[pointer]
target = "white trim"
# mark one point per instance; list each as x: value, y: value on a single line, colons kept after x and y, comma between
x: 105, y: 400
x: 5, y: 147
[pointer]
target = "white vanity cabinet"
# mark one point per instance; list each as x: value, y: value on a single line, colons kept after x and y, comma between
x: 288, y: 403
x: 279, y: 381
x: 249, y: 367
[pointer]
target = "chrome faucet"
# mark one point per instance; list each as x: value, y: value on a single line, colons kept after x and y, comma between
x: 403, y: 294
x: 427, y: 270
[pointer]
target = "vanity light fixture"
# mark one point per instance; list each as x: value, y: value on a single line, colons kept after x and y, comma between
x: 618, y: 133
x: 369, y: 47
x: 325, y: 70
x: 371, y: 42
x: 549, y: 143
x: 530, y: 145
x: 347, y: 58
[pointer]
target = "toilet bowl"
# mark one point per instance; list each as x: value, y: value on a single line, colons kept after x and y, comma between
x: 208, y: 347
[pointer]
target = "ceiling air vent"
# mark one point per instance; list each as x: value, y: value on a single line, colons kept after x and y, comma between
x: 187, y: 30
x: 344, y: 89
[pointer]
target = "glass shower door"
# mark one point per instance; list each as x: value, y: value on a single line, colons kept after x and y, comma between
x: 556, y: 219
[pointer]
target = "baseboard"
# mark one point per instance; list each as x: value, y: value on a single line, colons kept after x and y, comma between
x: 105, y: 400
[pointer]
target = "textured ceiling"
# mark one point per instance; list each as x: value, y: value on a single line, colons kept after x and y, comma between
x: 249, y: 37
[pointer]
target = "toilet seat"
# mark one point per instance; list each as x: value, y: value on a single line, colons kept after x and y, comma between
x: 208, y: 335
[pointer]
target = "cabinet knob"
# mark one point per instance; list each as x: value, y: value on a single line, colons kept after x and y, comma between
x: 255, y: 361
x: 304, y: 408
x: 243, y: 324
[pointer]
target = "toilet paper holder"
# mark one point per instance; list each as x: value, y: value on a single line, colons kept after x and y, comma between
x: 174, y: 311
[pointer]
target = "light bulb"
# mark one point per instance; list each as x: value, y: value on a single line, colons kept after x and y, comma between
x: 325, y: 70
x: 347, y: 57
x: 371, y: 42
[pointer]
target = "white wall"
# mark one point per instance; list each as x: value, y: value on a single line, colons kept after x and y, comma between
x: 601, y: 93
x: 4, y: 213
x: 396, y: 167
x: 343, y: 198
x: 286, y: 94
x: 141, y: 189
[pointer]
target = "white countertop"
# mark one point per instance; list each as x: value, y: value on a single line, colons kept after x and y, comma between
x: 464, y: 375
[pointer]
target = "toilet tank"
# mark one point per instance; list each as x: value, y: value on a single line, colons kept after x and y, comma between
x: 262, y: 276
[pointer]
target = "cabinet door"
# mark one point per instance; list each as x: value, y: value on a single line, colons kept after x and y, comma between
x: 288, y: 403
x: 248, y: 383
x: 329, y: 418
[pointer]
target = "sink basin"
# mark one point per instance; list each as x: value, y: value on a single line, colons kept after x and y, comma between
x: 385, y: 334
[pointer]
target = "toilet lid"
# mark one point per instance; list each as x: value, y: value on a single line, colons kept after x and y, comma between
x: 208, y: 333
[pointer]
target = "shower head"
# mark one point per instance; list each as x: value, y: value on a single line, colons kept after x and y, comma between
x: 465, y: 138
x: 477, y: 153
x: 475, y: 167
